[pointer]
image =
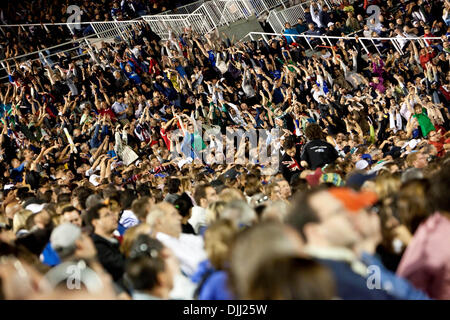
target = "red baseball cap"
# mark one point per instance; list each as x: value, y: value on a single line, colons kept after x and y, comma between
x: 353, y: 200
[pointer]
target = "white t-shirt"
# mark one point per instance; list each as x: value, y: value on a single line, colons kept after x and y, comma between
x: 198, y: 218
x: 128, y: 219
x: 94, y: 179
x: 188, y: 248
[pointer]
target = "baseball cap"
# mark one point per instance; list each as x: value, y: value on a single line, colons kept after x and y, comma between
x: 232, y: 174
x: 182, y: 162
x: 357, y: 179
x: 367, y: 157
x: 258, y: 199
x: 361, y: 164
x: 354, y: 200
x: 63, y: 238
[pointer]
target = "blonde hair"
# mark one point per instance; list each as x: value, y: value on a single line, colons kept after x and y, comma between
x: 386, y: 185
x: 214, y: 210
x: 218, y: 240
x: 156, y: 212
x: 231, y: 194
x: 57, y: 220
x: 20, y: 220
x: 186, y: 184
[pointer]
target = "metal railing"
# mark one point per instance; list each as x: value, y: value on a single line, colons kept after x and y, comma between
x: 186, y: 9
x: 366, y: 42
x: 207, y: 17
x: 261, y: 6
x: 202, y: 16
x: 114, y: 29
x: 278, y: 18
x: 228, y: 11
x: 161, y: 25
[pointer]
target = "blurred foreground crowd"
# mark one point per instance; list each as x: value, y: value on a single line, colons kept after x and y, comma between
x: 100, y: 200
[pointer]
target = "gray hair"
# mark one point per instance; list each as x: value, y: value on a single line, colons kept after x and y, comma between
x: 411, y: 174
x: 277, y: 210
x: 239, y: 212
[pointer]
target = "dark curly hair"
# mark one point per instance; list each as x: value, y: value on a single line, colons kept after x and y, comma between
x: 313, y: 132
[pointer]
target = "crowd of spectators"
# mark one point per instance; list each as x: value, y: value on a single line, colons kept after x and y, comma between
x: 100, y: 199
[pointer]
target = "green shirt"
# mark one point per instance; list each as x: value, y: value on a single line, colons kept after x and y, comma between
x: 425, y: 123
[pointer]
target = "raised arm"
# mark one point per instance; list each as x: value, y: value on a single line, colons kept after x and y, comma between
x: 202, y: 48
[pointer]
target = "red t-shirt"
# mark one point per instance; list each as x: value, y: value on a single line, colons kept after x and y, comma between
x: 428, y: 35
x: 445, y: 93
x: 439, y: 145
x: 164, y: 136
x: 425, y: 58
x: 108, y: 111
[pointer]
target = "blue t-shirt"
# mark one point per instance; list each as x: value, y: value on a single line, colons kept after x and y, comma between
x: 111, y: 153
x: 277, y: 96
x: 5, y: 109
x: 181, y: 71
x: 290, y: 31
x: 275, y: 74
x: 212, y: 58
x: 215, y: 287
x: 50, y: 257
x: 16, y: 173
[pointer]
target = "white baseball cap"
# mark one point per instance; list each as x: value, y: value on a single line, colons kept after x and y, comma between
x: 63, y: 237
x: 361, y: 164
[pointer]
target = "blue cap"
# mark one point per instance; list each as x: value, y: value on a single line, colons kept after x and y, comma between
x: 367, y: 157
x: 356, y: 180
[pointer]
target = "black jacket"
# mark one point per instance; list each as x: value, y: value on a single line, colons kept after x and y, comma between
x: 290, y: 165
x: 318, y: 153
x: 109, y: 256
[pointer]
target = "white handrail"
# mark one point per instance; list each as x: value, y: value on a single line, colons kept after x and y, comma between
x: 81, y: 43
x: 62, y: 23
x: 277, y: 19
x: 215, y: 13
x: 335, y: 37
x: 307, y: 38
x: 187, y: 8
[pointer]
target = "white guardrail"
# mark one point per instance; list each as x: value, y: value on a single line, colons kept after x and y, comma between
x: 186, y: 9
x: 366, y: 42
x: 278, y: 18
x: 210, y: 15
